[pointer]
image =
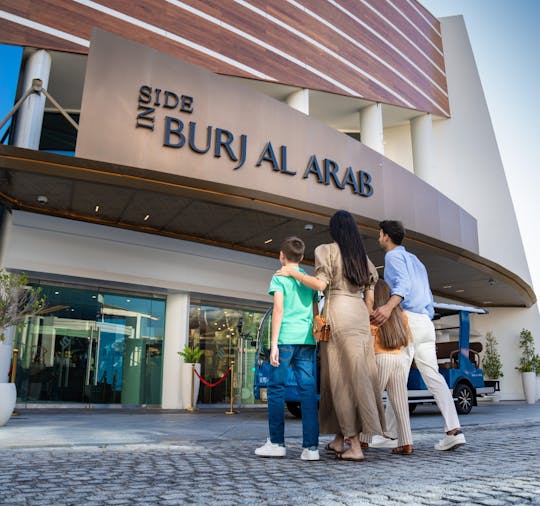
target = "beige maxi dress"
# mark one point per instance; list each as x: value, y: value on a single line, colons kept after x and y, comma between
x: 350, y: 397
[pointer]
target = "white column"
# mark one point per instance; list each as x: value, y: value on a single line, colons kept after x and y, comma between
x: 299, y: 100
x: 371, y: 127
x: 5, y: 229
x: 423, y: 147
x: 30, y: 115
x: 176, y: 337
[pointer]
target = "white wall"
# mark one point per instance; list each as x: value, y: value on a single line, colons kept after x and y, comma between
x: 506, y: 324
x: 47, y: 244
x: 469, y: 169
x: 398, y: 146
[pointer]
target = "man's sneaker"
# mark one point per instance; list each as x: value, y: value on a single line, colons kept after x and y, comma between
x: 270, y: 449
x: 451, y: 441
x: 308, y: 454
x: 382, y: 442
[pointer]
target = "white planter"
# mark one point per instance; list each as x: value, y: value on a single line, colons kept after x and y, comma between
x: 529, y: 386
x: 185, y: 378
x: 6, y: 347
x: 538, y: 387
x: 8, y: 398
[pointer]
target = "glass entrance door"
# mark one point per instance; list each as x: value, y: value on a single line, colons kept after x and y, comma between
x: 225, y: 334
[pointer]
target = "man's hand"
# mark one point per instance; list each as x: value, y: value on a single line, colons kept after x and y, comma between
x: 274, y: 356
x: 381, y: 314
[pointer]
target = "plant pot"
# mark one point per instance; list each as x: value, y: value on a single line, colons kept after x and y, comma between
x: 529, y: 386
x: 8, y: 398
x: 6, y: 347
x: 186, y: 375
x: 538, y: 387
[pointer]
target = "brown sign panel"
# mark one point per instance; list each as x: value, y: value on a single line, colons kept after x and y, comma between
x: 149, y: 110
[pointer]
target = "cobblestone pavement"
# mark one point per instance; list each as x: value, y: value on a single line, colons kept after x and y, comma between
x: 500, y: 465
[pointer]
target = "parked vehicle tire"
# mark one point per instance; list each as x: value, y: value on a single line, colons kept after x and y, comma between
x: 295, y: 409
x: 464, y: 398
x: 412, y: 407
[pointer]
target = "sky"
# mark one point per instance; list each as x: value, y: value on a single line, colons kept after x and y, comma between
x: 505, y: 39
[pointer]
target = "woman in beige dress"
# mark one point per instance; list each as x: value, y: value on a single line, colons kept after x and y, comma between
x: 350, y: 397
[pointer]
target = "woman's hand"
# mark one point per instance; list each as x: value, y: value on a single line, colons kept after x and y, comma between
x: 284, y: 271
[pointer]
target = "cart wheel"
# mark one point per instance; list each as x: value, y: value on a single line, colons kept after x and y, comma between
x: 464, y: 399
x: 412, y: 407
x: 294, y: 409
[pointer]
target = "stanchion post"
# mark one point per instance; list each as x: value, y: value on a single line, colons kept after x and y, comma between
x: 192, y: 406
x: 231, y: 409
x: 14, y: 365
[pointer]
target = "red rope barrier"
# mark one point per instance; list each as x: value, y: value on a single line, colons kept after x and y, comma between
x: 218, y: 382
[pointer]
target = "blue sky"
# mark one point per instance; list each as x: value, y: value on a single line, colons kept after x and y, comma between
x: 505, y: 38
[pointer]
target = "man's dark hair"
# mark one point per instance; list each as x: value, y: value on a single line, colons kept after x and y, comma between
x: 394, y: 230
x: 293, y: 248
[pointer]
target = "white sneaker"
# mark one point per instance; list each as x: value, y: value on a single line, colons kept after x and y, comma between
x: 382, y: 442
x: 308, y: 454
x: 270, y: 449
x: 451, y: 441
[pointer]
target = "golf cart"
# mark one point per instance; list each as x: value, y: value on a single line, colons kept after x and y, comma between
x: 459, y: 362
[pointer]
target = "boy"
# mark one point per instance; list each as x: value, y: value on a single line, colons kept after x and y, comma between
x: 292, y: 345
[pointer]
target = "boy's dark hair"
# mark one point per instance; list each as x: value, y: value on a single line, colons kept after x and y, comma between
x: 293, y: 248
x: 394, y: 230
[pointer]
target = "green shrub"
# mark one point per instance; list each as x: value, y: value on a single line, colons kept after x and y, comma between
x: 491, y: 362
x: 529, y: 358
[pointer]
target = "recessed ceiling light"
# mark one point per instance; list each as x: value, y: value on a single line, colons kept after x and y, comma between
x: 460, y: 291
x: 447, y: 286
x: 128, y: 300
x: 94, y: 296
x: 96, y: 209
x: 146, y: 217
x: 268, y: 241
x: 56, y: 293
x: 487, y: 302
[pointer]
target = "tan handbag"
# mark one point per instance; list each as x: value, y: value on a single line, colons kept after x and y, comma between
x: 321, y: 326
x: 321, y: 329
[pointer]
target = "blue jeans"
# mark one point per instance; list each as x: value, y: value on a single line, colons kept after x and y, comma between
x: 301, y: 358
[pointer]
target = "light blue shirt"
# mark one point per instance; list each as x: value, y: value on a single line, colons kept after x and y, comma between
x: 408, y: 278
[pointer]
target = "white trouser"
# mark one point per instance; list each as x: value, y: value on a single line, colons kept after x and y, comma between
x: 425, y: 356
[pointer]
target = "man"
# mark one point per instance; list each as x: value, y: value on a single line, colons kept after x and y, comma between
x: 409, y: 283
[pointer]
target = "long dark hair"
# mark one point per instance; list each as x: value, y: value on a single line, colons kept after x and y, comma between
x: 394, y: 333
x: 344, y: 231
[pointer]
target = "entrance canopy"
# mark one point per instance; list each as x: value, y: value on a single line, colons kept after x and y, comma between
x: 186, y: 208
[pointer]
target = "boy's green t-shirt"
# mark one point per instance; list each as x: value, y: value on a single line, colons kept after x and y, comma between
x: 297, y: 323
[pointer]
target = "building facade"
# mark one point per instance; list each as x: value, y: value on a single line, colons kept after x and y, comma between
x: 166, y: 148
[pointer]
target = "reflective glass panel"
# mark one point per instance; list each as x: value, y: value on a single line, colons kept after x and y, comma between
x: 92, y: 346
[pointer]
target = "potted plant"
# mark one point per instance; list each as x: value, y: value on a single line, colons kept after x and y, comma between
x: 537, y: 364
x: 17, y: 302
x: 492, y: 364
x: 527, y: 365
x: 191, y: 355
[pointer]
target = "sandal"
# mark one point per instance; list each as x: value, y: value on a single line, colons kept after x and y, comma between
x: 403, y: 450
x: 330, y: 448
x: 340, y: 456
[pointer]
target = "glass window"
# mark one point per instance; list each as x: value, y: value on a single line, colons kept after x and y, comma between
x: 225, y: 333
x: 11, y: 58
x: 58, y: 134
x: 92, y: 346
